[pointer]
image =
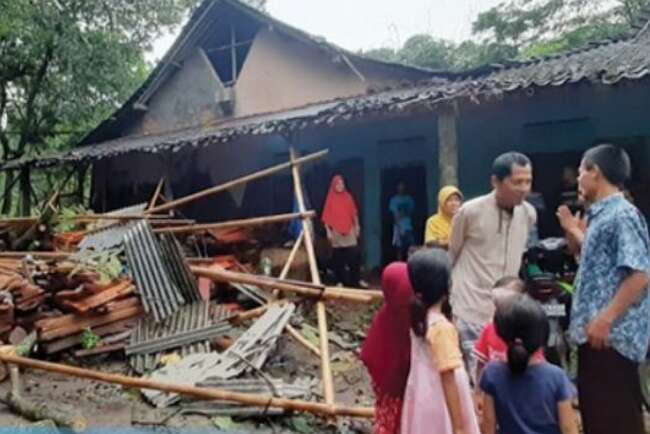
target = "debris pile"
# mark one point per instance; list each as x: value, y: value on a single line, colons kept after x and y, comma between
x: 128, y: 288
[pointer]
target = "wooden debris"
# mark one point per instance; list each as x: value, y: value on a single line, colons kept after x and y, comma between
x: 326, y: 293
x: 192, y: 391
x: 257, y: 221
x: 236, y: 182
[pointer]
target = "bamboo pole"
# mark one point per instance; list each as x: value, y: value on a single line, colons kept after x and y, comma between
x: 256, y: 221
x: 326, y: 293
x: 192, y: 391
x: 234, y: 183
x: 321, y: 314
x: 285, y: 270
x: 35, y: 255
x: 291, y: 257
x: 93, y: 217
x: 156, y: 193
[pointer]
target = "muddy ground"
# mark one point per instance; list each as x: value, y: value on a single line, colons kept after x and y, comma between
x: 110, y: 406
x: 121, y: 410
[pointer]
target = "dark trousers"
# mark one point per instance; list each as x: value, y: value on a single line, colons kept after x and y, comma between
x: 346, y: 265
x: 609, y: 391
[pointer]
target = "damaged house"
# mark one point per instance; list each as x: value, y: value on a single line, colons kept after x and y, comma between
x: 238, y: 88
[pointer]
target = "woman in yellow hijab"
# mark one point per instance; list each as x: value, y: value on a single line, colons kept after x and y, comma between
x: 438, y: 229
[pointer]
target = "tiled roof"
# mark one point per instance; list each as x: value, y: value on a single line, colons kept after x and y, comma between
x: 605, y: 63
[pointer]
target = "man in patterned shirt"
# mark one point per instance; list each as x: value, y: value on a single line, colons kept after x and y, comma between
x: 610, y: 319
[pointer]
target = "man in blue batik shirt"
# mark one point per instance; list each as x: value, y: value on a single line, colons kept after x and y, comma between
x: 610, y: 318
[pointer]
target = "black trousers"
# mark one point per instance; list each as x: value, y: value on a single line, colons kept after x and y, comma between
x: 346, y: 264
x: 609, y: 391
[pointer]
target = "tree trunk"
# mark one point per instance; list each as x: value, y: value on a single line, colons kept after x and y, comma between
x: 8, y: 197
x: 25, y: 190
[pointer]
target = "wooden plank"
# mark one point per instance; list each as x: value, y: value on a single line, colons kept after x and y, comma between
x: 236, y: 182
x: 100, y: 350
x: 321, y: 314
x: 71, y: 341
x: 103, y: 297
x: 80, y: 325
x: 60, y: 321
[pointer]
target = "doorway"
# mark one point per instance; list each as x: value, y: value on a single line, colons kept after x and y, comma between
x: 414, y: 177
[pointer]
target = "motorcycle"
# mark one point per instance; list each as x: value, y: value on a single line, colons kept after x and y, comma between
x: 549, y: 270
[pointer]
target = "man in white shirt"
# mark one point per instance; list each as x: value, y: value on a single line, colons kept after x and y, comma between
x: 488, y: 239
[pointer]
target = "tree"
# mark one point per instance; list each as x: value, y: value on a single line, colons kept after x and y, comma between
x: 543, y: 27
x: 66, y: 65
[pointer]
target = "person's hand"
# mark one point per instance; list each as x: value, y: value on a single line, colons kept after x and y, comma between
x: 598, y: 331
x: 568, y: 221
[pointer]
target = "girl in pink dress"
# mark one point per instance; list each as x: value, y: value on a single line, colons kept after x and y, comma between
x: 438, y: 397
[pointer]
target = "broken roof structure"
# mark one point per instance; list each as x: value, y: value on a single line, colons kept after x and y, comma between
x: 607, y: 62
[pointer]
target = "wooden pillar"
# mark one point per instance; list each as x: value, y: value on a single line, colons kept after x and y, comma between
x: 81, y: 182
x: 448, y: 145
x: 25, y: 191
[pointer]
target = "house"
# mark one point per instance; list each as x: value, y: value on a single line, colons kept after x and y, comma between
x: 239, y: 87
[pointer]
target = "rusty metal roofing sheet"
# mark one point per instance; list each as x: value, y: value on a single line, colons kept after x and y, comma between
x: 160, y: 295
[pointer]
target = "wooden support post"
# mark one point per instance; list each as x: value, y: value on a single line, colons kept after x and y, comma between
x: 81, y: 183
x: 25, y: 191
x: 321, y: 314
x: 204, y: 393
x: 448, y: 145
x: 235, y: 182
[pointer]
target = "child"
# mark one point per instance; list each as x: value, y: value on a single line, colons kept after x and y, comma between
x: 490, y: 347
x: 386, y: 351
x: 438, y: 397
x: 526, y: 395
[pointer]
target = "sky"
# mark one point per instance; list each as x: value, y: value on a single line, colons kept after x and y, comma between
x: 365, y: 24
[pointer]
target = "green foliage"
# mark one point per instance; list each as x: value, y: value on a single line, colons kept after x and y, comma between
x: 518, y: 30
x: 66, y: 218
x: 545, y: 27
x: 106, y: 263
x: 89, y: 339
x: 66, y: 66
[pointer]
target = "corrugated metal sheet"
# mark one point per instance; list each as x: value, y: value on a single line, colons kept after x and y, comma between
x: 111, y: 236
x: 250, y: 350
x: 300, y: 389
x: 190, y: 317
x: 178, y: 268
x: 160, y: 295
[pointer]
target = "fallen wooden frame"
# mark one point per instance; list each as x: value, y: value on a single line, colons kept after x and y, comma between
x: 256, y: 221
x: 329, y: 293
x: 235, y: 182
x: 193, y: 391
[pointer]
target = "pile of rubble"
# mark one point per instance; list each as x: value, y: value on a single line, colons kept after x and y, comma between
x: 128, y: 288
